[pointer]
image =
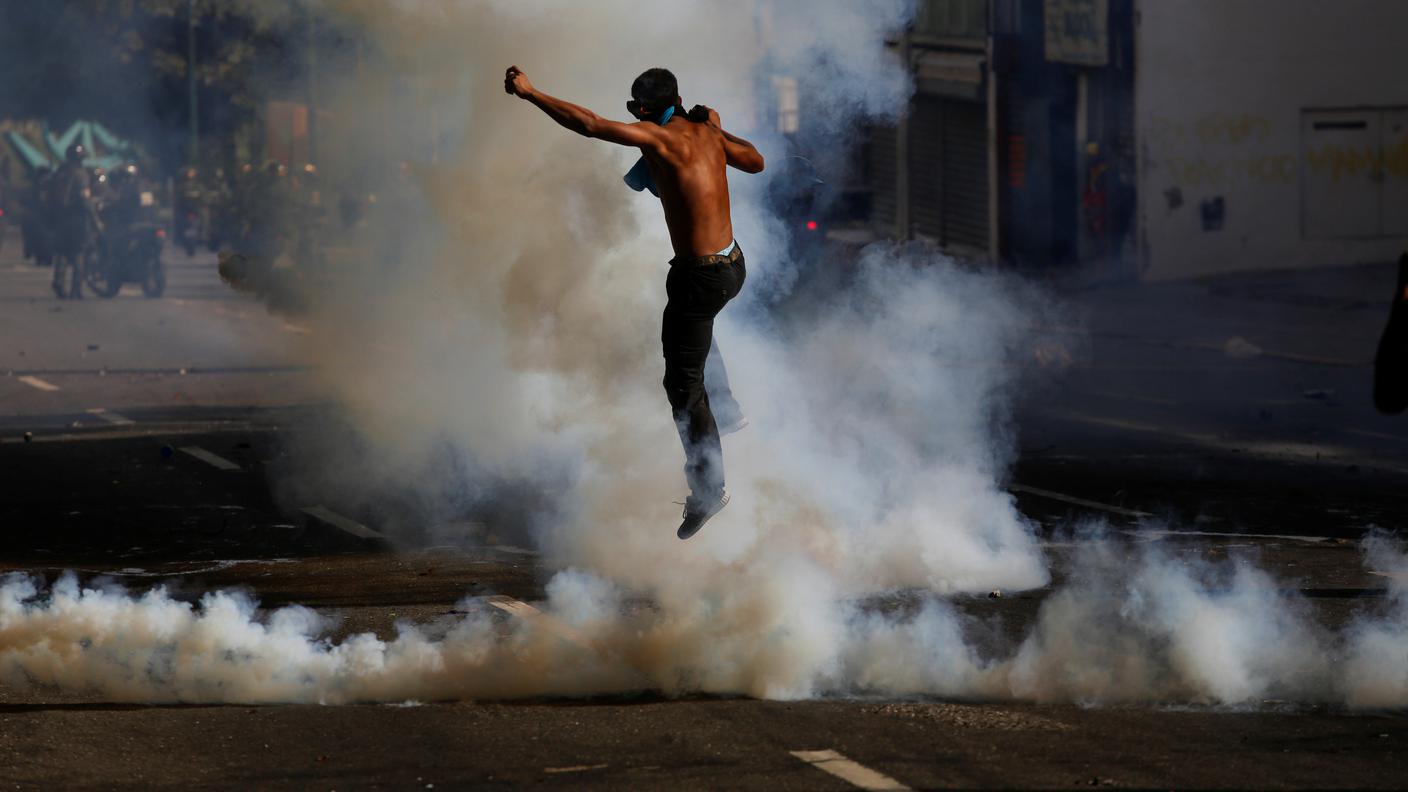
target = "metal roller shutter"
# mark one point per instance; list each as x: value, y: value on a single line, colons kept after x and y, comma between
x: 965, y: 175
x: 926, y: 167
x: 948, y: 161
x: 884, y: 203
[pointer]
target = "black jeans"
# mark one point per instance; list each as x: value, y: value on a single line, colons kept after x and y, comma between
x: 698, y: 288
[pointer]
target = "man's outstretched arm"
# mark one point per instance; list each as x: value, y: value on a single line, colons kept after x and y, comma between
x: 579, y: 119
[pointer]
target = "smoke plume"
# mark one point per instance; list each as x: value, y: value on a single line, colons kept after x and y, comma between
x: 509, y: 322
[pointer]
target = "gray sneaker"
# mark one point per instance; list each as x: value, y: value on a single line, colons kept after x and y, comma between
x: 697, y: 511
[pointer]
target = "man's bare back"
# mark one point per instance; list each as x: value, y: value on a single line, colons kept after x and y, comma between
x: 687, y: 161
x: 689, y: 172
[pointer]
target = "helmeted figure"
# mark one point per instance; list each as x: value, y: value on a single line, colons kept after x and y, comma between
x: 71, y: 221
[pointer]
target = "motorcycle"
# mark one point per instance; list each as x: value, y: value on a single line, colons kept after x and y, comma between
x: 129, y: 256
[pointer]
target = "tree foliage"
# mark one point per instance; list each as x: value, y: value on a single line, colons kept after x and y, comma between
x: 124, y: 63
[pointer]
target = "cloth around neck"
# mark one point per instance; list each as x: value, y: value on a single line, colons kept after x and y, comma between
x: 638, y: 177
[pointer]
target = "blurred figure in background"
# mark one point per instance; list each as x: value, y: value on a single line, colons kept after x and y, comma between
x: 71, y: 220
x: 122, y: 206
x: 264, y: 213
x: 189, y: 210
x: 308, y: 209
x: 1391, y: 362
x: 34, y: 222
x: 6, y: 210
x: 221, y: 212
x: 267, y: 214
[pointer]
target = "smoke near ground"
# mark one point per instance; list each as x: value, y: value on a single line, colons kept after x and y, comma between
x: 514, y: 329
x: 1137, y: 626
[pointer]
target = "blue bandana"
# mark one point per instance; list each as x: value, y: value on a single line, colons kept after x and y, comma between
x: 638, y: 177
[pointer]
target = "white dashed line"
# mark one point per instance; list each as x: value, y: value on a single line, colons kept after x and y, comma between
x: 1153, y: 535
x: 574, y: 769
x: 111, y: 417
x: 857, y: 775
x: 1376, y: 435
x: 35, y: 382
x: 537, y: 618
x: 346, y: 524
x: 1089, y: 504
x: 214, y: 460
x: 294, y: 328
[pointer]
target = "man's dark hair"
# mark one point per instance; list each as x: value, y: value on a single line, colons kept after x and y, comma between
x: 655, y: 89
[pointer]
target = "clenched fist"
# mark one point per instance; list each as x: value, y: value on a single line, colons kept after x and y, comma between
x: 516, y: 82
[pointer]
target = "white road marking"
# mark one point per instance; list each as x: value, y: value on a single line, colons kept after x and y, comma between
x: 573, y: 768
x: 1089, y: 504
x: 512, y: 549
x: 1309, y: 452
x: 35, y: 382
x: 1152, y: 535
x: 222, y: 311
x: 1377, y: 435
x: 855, y: 774
x: 146, y: 430
x: 537, y: 618
x: 213, y: 460
x: 343, y: 523
x: 295, y: 328
x: 1135, y: 397
x: 559, y: 628
x: 113, y: 418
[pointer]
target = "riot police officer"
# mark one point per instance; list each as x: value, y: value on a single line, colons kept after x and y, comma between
x: 71, y: 221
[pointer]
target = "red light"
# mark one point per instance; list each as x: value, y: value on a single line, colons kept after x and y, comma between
x: 161, y: 233
x: 811, y: 225
x: 2, y: 212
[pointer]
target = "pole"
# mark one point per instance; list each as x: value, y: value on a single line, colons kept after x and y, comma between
x: 312, y: 86
x: 903, y: 226
x: 193, y: 146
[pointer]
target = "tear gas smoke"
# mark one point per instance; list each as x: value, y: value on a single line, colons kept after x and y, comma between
x: 1137, y: 625
x: 517, y: 326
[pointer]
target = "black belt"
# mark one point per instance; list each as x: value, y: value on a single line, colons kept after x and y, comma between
x: 712, y: 258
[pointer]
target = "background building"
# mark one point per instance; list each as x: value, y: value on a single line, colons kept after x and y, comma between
x: 1272, y: 134
x: 932, y: 173
x: 1120, y: 139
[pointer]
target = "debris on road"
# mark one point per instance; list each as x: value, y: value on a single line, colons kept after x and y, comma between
x: 1240, y: 348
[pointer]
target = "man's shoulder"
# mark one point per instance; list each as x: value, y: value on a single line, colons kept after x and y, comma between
x: 692, y: 131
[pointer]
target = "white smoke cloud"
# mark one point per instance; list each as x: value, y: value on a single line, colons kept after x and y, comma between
x: 520, y: 332
x: 1137, y: 624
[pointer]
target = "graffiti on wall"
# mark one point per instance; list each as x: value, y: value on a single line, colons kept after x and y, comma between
x: 1221, y: 149
x: 1357, y: 162
x: 1222, y: 171
x: 1225, y: 149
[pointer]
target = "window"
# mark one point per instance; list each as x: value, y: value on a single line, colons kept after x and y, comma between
x: 789, y: 104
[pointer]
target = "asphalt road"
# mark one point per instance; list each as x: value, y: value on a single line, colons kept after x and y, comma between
x: 144, y: 441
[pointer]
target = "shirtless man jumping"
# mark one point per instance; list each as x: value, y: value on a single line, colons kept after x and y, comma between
x: 686, y: 154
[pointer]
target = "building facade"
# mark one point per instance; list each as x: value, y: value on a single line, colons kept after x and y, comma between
x: 1151, y: 139
x: 932, y: 172
x: 1273, y: 134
